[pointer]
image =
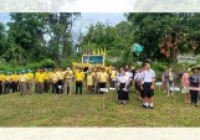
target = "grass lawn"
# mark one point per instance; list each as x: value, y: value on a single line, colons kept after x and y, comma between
x: 87, y: 110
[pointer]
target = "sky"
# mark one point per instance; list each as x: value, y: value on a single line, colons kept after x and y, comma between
x: 84, y: 21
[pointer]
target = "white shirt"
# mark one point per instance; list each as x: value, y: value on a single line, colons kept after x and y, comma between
x: 137, y: 76
x: 129, y: 74
x: 148, y: 75
x: 122, y: 79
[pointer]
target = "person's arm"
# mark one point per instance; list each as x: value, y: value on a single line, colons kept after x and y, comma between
x: 153, y: 80
x: 182, y: 80
x: 141, y: 80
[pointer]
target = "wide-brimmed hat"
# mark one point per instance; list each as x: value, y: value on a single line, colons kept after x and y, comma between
x: 195, y: 67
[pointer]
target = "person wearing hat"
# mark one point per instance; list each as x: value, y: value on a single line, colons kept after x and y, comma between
x: 2, y: 79
x: 68, y: 80
x: 23, y: 82
x: 7, y: 83
x: 30, y: 78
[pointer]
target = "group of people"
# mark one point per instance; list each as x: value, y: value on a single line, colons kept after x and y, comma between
x: 189, y: 83
x: 98, y: 79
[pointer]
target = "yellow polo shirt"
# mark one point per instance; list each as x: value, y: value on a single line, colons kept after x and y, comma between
x: 69, y: 74
x: 54, y: 77
x: 103, y: 77
x: 40, y: 77
x: 14, y: 77
x: 7, y: 78
x: 113, y: 74
x: 98, y: 76
x: 30, y: 76
x: 59, y: 75
x: 23, y: 78
x: 2, y: 77
x: 47, y: 75
x: 89, y: 80
x: 79, y: 76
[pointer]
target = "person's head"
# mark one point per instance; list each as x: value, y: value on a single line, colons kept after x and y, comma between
x: 98, y: 69
x: 68, y: 69
x: 41, y: 71
x: 126, y: 67
x: 79, y: 69
x: 123, y: 72
x: 45, y: 69
x: 147, y: 66
x: 170, y: 69
x: 195, y: 70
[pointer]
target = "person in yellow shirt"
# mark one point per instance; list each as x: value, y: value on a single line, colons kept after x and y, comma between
x: 14, y: 81
x: 68, y: 80
x: 103, y: 79
x: 47, y: 78
x: 2, y: 79
x: 113, y: 77
x: 23, y: 82
x: 79, y: 80
x: 30, y: 77
x: 7, y: 83
x: 36, y: 80
x: 54, y: 80
x: 40, y: 77
x: 59, y: 74
x: 90, y: 81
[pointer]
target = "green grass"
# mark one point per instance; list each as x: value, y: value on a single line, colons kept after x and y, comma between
x: 87, y: 110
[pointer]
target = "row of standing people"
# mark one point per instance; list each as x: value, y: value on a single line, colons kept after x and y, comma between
x: 189, y: 80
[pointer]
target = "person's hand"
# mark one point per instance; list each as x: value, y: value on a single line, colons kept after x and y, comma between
x: 152, y: 86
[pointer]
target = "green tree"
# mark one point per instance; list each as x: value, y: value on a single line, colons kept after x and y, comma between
x: 2, y: 38
x: 25, y: 37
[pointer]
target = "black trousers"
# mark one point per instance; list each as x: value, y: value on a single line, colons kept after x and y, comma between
x: 102, y: 85
x: 14, y: 87
x: 79, y: 87
x: 194, y: 96
x: 112, y: 85
x: 46, y: 86
x: 7, y: 87
x: 54, y: 87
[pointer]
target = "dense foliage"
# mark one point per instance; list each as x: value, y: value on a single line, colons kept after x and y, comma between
x: 36, y: 37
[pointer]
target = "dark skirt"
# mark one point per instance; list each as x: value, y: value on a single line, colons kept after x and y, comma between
x: 122, y: 95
